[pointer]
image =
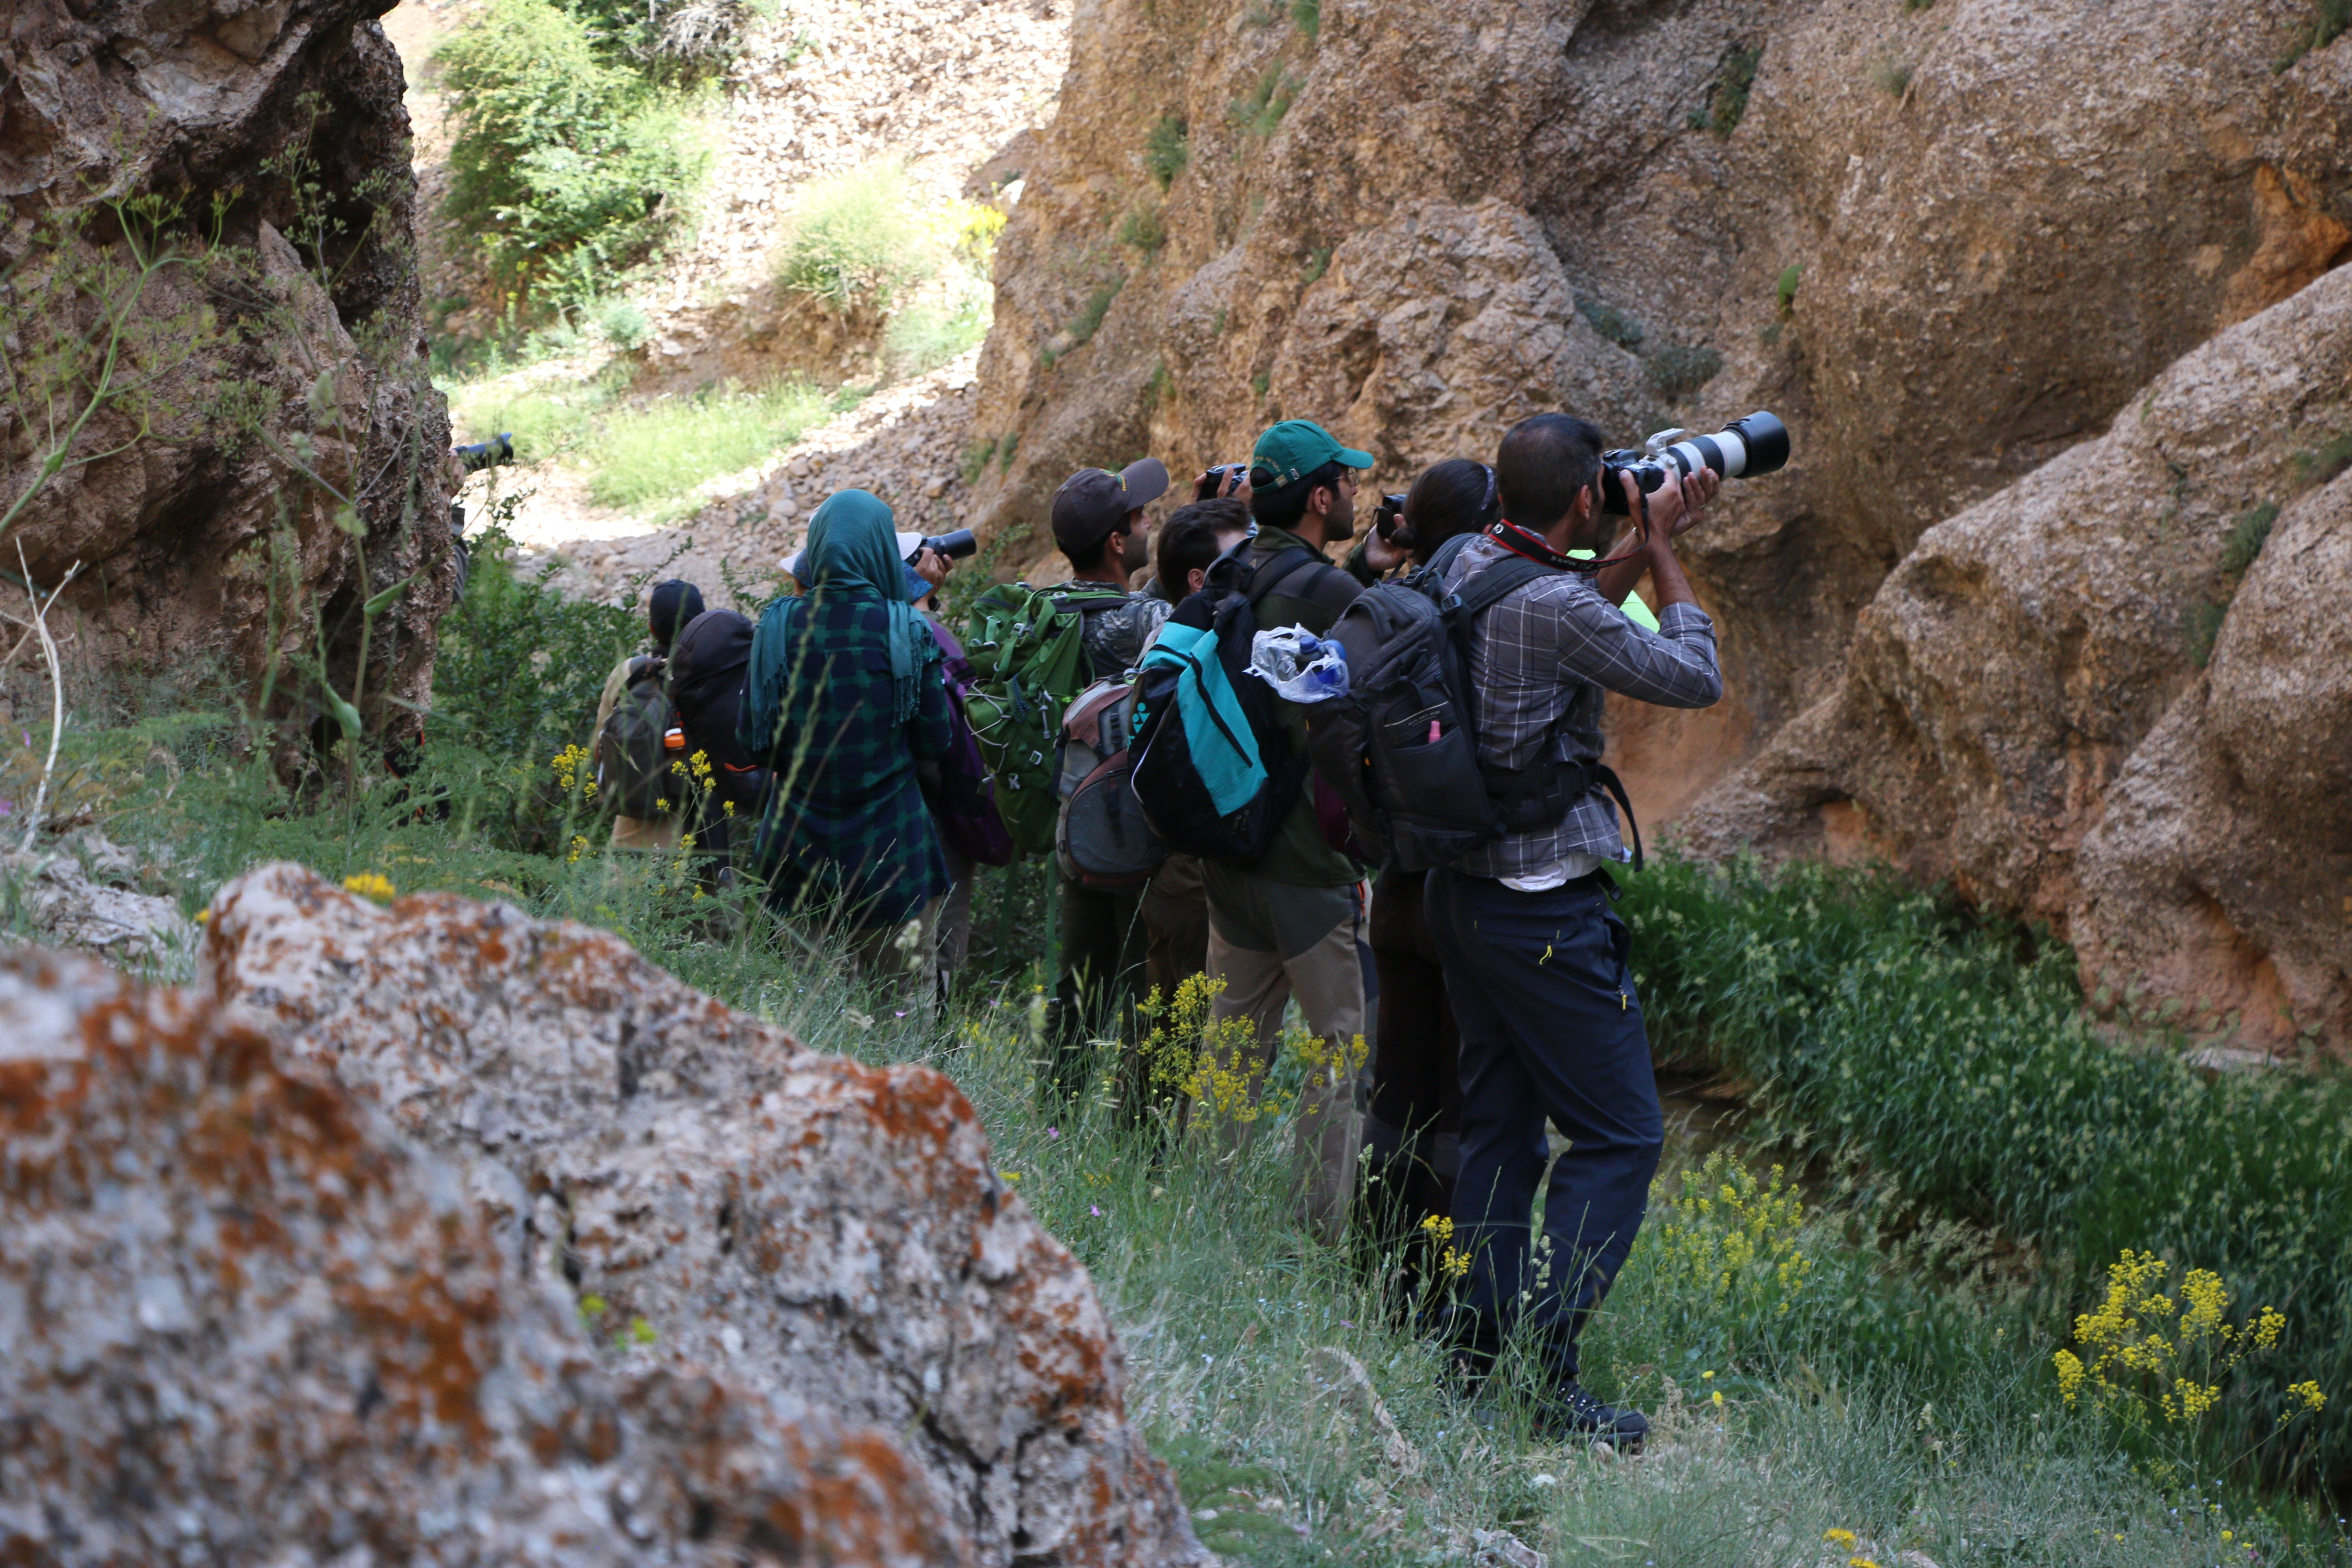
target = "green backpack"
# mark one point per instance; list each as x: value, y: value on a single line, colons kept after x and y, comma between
x: 1028, y: 655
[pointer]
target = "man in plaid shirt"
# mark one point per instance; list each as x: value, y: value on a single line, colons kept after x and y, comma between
x: 1536, y: 961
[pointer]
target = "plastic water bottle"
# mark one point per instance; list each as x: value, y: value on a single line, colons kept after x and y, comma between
x: 1299, y: 664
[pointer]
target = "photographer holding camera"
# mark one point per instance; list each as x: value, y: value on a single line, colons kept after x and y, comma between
x: 1536, y: 963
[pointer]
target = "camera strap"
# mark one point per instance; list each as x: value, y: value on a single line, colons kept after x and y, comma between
x: 1527, y: 542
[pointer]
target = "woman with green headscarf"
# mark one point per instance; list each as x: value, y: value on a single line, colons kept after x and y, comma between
x: 842, y: 696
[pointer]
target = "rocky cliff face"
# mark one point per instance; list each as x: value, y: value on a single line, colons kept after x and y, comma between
x: 1945, y: 244
x: 208, y: 248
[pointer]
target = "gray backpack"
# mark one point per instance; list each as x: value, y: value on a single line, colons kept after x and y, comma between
x: 1398, y: 748
x: 1100, y: 837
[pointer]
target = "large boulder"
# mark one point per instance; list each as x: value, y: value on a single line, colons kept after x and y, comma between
x: 2022, y: 711
x: 829, y: 1235
x: 218, y: 196
x: 241, y: 1321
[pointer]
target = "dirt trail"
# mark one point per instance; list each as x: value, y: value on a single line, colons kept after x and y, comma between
x: 954, y: 90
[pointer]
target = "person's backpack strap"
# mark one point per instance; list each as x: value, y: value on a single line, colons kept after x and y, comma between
x: 1547, y: 779
x: 1275, y: 570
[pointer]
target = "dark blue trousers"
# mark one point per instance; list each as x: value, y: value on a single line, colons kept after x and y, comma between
x: 1551, y: 1028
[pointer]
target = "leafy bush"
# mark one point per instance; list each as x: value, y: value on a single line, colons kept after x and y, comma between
x: 1876, y: 1018
x: 651, y: 457
x: 1785, y: 290
x: 859, y: 242
x: 566, y: 170
x: 1165, y: 150
x: 623, y: 324
x: 1144, y: 229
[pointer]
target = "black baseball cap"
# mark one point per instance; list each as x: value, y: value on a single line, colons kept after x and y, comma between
x: 1093, y: 501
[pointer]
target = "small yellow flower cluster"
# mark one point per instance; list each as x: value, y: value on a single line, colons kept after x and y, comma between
x: 579, y: 847
x: 2136, y: 1367
x: 1728, y: 1235
x: 575, y: 772
x: 1210, y: 1061
x: 696, y: 770
x: 371, y: 885
x: 1843, y: 1540
x: 1452, y: 1261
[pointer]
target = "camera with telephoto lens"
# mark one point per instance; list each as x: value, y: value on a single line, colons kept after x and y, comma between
x: 956, y: 545
x: 1744, y: 449
x: 1388, y: 517
x: 1213, y: 483
x: 489, y: 453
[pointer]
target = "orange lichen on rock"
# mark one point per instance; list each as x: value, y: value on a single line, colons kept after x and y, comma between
x: 828, y: 1233
x: 241, y: 1320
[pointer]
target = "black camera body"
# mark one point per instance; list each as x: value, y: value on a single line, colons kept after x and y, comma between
x: 1745, y: 448
x: 490, y: 454
x: 1389, y: 516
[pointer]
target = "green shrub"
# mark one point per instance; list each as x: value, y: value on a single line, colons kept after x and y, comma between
x: 1874, y: 1018
x: 1727, y: 95
x: 1893, y: 76
x: 977, y: 454
x: 623, y: 324
x: 1610, y: 322
x: 1259, y: 384
x: 2321, y: 463
x: 1166, y: 151
x: 649, y: 457
x: 1089, y: 318
x: 1307, y: 15
x: 2328, y: 21
x: 2248, y: 533
x: 2204, y: 630
x: 858, y: 241
x: 1785, y: 291
x: 1679, y: 370
x: 1319, y: 262
x: 566, y: 170
x: 1144, y: 229
x: 1259, y: 111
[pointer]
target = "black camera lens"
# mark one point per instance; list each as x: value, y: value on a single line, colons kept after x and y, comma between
x: 956, y: 545
x: 489, y: 453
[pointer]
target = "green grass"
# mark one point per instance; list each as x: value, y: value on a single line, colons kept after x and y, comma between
x: 927, y: 333
x: 547, y: 421
x: 2248, y: 533
x: 1259, y: 111
x: 1785, y: 291
x: 652, y: 456
x: 2328, y: 21
x: 858, y: 241
x: 1881, y: 1353
x: 1307, y: 15
x: 1893, y: 77
x: 1877, y: 1021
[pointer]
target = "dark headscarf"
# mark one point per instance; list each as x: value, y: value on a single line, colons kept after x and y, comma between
x: 675, y: 603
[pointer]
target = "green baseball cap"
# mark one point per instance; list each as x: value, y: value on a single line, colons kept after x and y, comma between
x: 1296, y: 448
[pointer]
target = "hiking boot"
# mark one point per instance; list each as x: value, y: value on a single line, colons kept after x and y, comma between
x: 1568, y: 1413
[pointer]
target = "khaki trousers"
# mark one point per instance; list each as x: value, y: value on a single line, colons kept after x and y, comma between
x: 1269, y: 942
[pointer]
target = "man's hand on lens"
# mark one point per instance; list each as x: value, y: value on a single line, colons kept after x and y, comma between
x: 932, y: 566
x: 1383, y: 556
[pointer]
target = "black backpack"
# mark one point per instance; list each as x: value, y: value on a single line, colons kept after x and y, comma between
x: 1399, y: 747
x: 632, y: 761
x: 1169, y: 783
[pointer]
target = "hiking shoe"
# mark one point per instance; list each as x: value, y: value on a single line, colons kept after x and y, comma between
x: 1568, y: 1413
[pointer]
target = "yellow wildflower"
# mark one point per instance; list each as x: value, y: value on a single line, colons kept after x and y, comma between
x: 371, y: 885
x: 1842, y: 1540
